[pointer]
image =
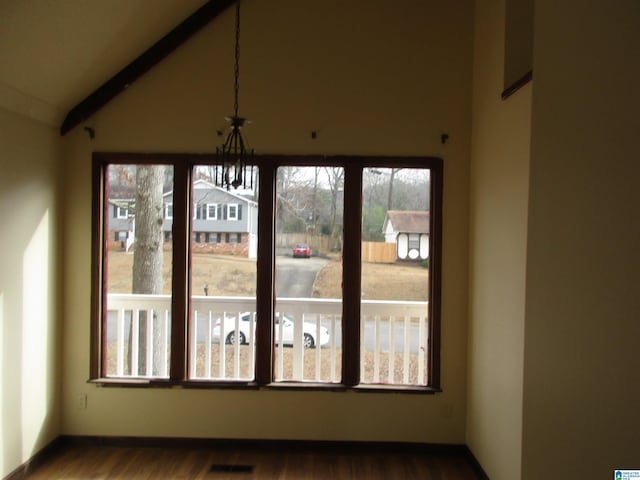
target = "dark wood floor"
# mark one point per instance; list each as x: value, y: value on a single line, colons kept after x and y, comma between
x: 73, y: 460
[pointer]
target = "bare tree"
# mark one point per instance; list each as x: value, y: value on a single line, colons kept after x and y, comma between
x: 392, y: 175
x: 335, y: 178
x: 294, y: 197
x: 314, y: 200
x: 147, y: 257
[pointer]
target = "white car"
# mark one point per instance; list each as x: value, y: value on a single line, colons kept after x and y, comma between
x: 309, y: 330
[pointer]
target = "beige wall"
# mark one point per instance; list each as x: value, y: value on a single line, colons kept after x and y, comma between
x: 497, y: 266
x: 372, y: 78
x: 552, y: 252
x: 581, y: 388
x: 29, y: 329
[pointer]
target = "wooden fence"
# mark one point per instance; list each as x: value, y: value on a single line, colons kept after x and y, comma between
x: 373, y: 252
x: 378, y: 252
x: 318, y: 243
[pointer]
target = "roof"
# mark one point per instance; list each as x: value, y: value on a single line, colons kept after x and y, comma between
x: 408, y: 221
x: 204, y: 184
x: 127, y: 191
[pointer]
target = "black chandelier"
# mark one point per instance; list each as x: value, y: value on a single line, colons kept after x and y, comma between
x: 234, y: 159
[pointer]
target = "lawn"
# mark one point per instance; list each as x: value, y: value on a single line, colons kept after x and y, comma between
x: 226, y: 275
x: 380, y: 281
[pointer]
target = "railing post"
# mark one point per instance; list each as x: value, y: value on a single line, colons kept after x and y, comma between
x: 135, y: 342
x: 120, y: 343
x: 124, y: 308
x: 421, y: 349
x: 298, y: 345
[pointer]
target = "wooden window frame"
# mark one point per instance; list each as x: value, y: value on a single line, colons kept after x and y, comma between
x: 265, y: 286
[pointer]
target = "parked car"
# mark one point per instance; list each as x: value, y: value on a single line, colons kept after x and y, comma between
x: 309, y: 330
x: 302, y: 250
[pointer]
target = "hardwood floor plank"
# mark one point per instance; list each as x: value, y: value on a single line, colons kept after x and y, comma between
x: 283, y: 462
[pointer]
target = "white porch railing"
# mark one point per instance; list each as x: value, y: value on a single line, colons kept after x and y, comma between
x: 394, y: 339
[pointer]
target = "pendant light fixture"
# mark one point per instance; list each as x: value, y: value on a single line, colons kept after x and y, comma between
x: 234, y: 159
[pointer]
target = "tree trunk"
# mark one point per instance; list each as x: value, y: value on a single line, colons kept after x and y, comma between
x: 147, y: 256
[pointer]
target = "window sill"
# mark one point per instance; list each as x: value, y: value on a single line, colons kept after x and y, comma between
x: 166, y: 383
x: 337, y: 387
x: 244, y: 385
x: 396, y: 389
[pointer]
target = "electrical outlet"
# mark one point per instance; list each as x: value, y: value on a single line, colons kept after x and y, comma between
x: 82, y: 402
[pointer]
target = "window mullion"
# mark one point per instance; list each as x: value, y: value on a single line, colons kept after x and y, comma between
x: 435, y: 272
x: 180, y: 277
x: 351, y: 279
x: 265, y: 277
x: 98, y: 293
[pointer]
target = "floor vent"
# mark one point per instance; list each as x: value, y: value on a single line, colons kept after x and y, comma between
x: 220, y: 468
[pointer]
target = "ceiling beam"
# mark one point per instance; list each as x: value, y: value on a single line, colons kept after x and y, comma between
x: 129, y: 74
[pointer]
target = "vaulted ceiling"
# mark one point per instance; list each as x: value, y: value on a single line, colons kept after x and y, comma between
x: 54, y: 53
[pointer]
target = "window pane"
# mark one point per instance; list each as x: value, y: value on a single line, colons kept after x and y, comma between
x: 138, y: 267
x: 223, y: 280
x: 308, y: 274
x: 395, y: 273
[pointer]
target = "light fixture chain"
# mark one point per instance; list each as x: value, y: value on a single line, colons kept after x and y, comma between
x: 237, y: 66
x: 232, y: 159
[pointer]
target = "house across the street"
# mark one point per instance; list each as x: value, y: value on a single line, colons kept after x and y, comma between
x: 223, y: 222
x: 409, y: 230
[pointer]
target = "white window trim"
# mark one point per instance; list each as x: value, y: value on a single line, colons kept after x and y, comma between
x: 120, y: 214
x: 167, y: 209
x: 215, y: 211
x: 234, y: 217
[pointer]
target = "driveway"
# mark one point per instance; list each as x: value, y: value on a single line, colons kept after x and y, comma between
x: 295, y: 276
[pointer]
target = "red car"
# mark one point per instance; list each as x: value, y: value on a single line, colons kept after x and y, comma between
x: 301, y: 250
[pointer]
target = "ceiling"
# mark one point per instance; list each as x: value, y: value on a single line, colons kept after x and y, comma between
x: 53, y: 53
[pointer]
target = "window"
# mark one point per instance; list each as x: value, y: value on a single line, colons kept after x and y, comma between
x: 348, y: 313
x: 414, y: 241
x: 199, y: 211
x: 232, y: 237
x: 168, y: 211
x: 122, y: 212
x: 232, y: 211
x: 136, y: 333
x: 395, y: 320
x: 302, y: 214
x: 212, y: 211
